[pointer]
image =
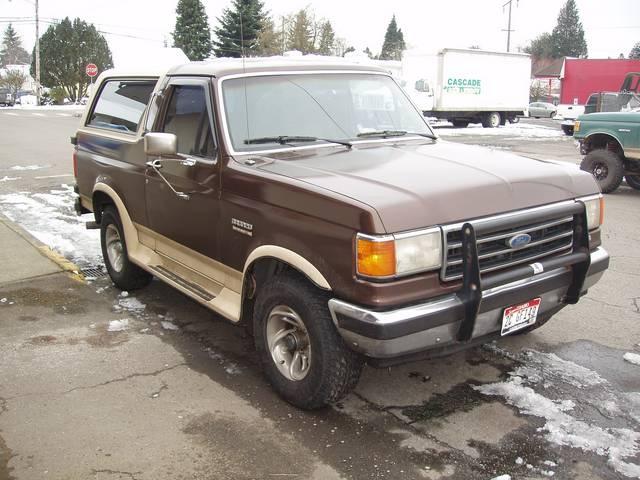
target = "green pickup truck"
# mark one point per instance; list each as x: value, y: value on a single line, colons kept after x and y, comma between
x: 611, y: 145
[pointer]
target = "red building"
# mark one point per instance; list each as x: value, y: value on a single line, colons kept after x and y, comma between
x: 580, y: 77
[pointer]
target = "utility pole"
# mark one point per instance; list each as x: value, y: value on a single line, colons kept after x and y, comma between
x: 509, y: 25
x: 37, y: 56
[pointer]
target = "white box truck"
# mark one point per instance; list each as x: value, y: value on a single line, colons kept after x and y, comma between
x: 469, y: 86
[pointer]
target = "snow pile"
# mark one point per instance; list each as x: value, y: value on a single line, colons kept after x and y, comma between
x: 27, y: 167
x: 633, y: 358
x: 8, y: 179
x: 51, y: 219
x: 561, y: 427
x: 528, y: 131
x: 131, y: 304
x: 118, y: 325
x: 168, y: 325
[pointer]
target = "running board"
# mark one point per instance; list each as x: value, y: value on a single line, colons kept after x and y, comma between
x: 193, y: 288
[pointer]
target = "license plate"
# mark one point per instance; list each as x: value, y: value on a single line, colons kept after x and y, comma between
x: 520, y: 316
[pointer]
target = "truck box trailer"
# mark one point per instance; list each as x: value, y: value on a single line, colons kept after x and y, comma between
x: 469, y: 86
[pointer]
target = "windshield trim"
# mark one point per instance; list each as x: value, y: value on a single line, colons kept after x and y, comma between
x: 225, y: 127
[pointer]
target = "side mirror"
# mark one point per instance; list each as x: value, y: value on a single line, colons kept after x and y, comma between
x: 161, y: 144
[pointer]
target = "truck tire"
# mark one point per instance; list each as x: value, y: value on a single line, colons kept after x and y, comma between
x: 491, y: 120
x: 303, y: 356
x: 606, y: 167
x: 460, y: 123
x: 633, y: 181
x: 514, y: 119
x: 124, y: 274
x: 567, y: 129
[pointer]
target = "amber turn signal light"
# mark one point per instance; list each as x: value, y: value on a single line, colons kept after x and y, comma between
x: 376, y: 258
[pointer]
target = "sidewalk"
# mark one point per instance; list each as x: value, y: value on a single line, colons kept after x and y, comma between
x: 20, y: 256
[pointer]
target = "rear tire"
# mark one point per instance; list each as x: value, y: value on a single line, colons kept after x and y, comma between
x: 124, y: 274
x: 491, y: 120
x: 460, y: 123
x: 310, y: 366
x: 633, y: 181
x: 514, y: 119
x: 606, y: 167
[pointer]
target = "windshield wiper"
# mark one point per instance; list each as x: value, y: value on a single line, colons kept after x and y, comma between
x: 286, y: 139
x: 394, y: 133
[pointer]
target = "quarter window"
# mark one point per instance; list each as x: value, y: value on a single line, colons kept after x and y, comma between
x: 187, y: 118
x: 121, y: 104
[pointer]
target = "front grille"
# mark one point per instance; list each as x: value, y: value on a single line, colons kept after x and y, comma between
x: 548, y: 237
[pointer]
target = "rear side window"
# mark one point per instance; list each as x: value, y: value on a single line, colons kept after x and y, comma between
x: 121, y: 104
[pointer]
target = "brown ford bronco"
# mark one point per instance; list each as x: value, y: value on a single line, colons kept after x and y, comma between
x: 313, y: 203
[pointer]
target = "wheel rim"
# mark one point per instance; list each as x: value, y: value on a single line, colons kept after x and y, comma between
x: 494, y: 119
x: 288, y: 342
x: 600, y: 171
x: 115, y: 248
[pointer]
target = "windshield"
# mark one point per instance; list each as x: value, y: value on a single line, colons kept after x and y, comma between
x: 325, y: 106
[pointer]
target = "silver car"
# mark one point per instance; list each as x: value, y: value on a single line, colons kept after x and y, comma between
x: 542, y: 109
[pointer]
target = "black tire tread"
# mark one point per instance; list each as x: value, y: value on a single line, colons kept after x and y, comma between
x: 341, y: 366
x: 132, y: 277
x: 633, y: 181
x: 614, y: 165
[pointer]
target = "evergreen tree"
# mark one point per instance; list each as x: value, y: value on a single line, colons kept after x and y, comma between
x: 327, y: 42
x: 301, y: 33
x: 191, y: 32
x: 541, y: 46
x: 568, y: 35
x: 269, y: 39
x: 230, y: 37
x: 11, y: 52
x: 393, y: 42
x: 635, y: 52
x: 65, y: 50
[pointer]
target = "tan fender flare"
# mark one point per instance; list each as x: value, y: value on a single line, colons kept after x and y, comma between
x: 292, y: 258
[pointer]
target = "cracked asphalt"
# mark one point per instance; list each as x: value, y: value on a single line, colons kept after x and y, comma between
x: 177, y: 393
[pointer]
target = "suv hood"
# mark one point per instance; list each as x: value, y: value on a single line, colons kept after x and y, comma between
x: 415, y: 185
x: 632, y: 117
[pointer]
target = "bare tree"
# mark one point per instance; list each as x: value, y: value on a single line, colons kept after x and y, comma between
x: 13, y: 80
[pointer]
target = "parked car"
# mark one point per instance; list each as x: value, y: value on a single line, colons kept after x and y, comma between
x: 6, y: 98
x: 542, y: 109
x: 611, y: 145
x: 310, y: 201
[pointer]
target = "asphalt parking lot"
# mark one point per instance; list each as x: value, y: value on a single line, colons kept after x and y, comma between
x: 101, y: 384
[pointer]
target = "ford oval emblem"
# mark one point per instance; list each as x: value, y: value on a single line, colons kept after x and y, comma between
x: 519, y: 241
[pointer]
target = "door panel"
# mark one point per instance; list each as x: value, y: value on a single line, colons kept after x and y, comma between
x: 192, y: 219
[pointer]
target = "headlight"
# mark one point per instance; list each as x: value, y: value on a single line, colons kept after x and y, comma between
x: 399, y: 255
x: 595, y: 210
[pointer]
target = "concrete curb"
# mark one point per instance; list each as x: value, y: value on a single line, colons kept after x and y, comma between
x: 63, y: 263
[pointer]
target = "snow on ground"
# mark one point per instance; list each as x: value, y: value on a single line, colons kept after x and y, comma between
x: 563, y: 425
x: 118, y: 325
x: 51, y: 219
x: 27, y: 167
x: 8, y: 179
x: 632, y: 358
x: 528, y: 131
x: 168, y: 325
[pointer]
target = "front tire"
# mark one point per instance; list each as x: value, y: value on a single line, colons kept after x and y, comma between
x: 124, y: 274
x: 491, y: 120
x: 633, y: 181
x: 460, y: 123
x: 606, y: 167
x: 303, y: 356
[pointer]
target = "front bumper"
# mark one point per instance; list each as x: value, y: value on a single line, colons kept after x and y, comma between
x: 434, y: 327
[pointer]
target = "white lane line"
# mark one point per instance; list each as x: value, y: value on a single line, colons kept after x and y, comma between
x: 54, y: 176
x: 11, y: 113
x: 38, y: 114
x: 63, y: 114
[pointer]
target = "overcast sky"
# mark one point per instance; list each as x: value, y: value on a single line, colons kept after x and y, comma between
x: 612, y: 26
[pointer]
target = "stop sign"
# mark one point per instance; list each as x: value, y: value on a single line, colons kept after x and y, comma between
x: 91, y: 69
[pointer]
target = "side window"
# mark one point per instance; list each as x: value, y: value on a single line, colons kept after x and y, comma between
x: 187, y: 117
x: 422, y: 86
x: 121, y: 104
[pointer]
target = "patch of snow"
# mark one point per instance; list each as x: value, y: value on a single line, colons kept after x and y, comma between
x: 131, y: 304
x: 124, y: 293
x: 547, y: 473
x: 502, y: 477
x: 8, y: 179
x: 633, y: 358
x: 549, y: 463
x: 519, y: 461
x: 20, y: 168
x: 548, y: 366
x: 168, y: 325
x: 118, y: 325
x: 563, y: 429
x: 50, y: 218
x: 232, y: 369
x: 528, y: 131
